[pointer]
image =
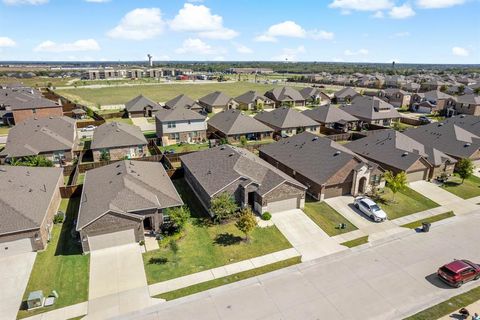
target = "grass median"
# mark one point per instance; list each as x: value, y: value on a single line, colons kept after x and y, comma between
x: 432, y: 219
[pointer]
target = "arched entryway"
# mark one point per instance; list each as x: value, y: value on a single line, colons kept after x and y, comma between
x: 362, y: 185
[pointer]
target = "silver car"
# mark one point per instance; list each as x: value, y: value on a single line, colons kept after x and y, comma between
x: 370, y: 208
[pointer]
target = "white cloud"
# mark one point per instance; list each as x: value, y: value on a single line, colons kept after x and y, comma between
x: 220, y: 34
x: 435, y: 4
x: 321, y: 35
x: 283, y: 29
x: 402, y: 34
x: 361, y: 5
x: 20, y: 2
x: 139, y: 24
x: 7, y: 42
x: 378, y: 15
x: 289, y: 54
x: 402, y: 12
x: 265, y: 38
x: 79, y: 45
x: 196, y: 46
x: 460, y: 52
x: 362, y: 52
x: 242, y: 48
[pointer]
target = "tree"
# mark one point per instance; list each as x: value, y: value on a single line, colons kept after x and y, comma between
x: 174, y: 248
x: 32, y: 161
x: 464, y: 168
x: 104, y: 155
x: 179, y: 216
x: 396, y: 182
x: 461, y: 89
x: 246, y: 222
x: 223, y: 207
x: 243, y: 141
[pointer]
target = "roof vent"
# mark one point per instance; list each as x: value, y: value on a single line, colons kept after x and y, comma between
x: 462, y: 116
x: 468, y: 144
x: 405, y: 154
x: 231, y: 154
x: 222, y: 148
x: 315, y: 139
x: 336, y: 153
x: 440, y: 124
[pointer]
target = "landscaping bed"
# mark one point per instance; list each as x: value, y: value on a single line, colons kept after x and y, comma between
x: 327, y: 218
x: 406, y: 202
x: 468, y: 189
x: 61, y: 267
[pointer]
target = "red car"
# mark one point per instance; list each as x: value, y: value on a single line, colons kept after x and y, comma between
x: 458, y: 272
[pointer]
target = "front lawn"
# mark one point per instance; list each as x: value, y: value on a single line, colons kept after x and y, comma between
x: 204, y: 245
x: 432, y: 219
x: 406, y: 202
x: 355, y: 242
x: 468, y: 189
x: 61, y: 267
x: 327, y: 218
x: 4, y: 130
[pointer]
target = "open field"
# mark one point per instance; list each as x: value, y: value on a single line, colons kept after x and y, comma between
x: 159, y: 93
x: 37, y: 82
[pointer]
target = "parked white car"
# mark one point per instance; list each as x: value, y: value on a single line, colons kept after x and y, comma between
x: 370, y: 208
x: 88, y: 128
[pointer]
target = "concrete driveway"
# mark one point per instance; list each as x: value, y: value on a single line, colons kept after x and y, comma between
x: 118, y: 283
x: 344, y: 206
x: 304, y: 235
x: 384, y: 280
x: 14, y: 274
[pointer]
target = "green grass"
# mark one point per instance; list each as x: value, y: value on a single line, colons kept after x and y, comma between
x: 406, y: 202
x: 355, y: 242
x: 228, y: 279
x: 327, y: 218
x: 468, y: 189
x: 432, y: 219
x: 80, y: 178
x: 449, y: 306
x: 161, y: 92
x: 123, y: 120
x: 4, y: 130
x: 150, y: 134
x: 185, y: 147
x: 203, y: 245
x: 61, y: 267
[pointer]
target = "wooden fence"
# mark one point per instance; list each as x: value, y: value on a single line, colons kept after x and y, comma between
x: 410, y: 121
x: 71, y: 191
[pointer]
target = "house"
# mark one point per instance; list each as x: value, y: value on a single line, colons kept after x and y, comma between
x: 141, y: 106
x: 396, y: 97
x: 53, y: 138
x: 24, y: 103
x: 344, y: 95
x: 332, y: 118
x: 327, y: 168
x: 217, y: 101
x: 116, y: 141
x: 450, y: 137
x: 431, y: 102
x: 183, y: 101
x: 286, y: 121
x: 180, y: 125
x: 412, y: 87
x: 252, y: 100
x: 286, y: 96
x: 372, y: 110
x: 251, y: 181
x: 133, y: 199
x: 468, y: 104
x: 233, y: 124
x: 397, y: 152
x: 314, y: 96
x: 29, y: 199
x: 433, y: 85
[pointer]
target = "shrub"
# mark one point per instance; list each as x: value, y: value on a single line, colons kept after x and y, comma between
x: 59, y: 217
x: 266, y: 216
x: 142, y: 242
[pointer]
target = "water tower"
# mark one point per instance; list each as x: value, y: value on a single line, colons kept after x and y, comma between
x: 150, y: 60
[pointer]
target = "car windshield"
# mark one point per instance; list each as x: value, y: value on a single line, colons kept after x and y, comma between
x: 375, y: 208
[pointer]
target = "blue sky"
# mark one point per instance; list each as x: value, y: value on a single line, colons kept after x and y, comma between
x: 407, y: 31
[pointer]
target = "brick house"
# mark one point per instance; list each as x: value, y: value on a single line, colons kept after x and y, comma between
x: 248, y: 179
x: 314, y: 96
x: 331, y: 117
x: 116, y: 141
x: 180, y: 125
x: 468, y: 104
x: 286, y: 121
x: 217, y: 101
x: 183, y: 101
x: 29, y: 198
x: 286, y: 96
x: 431, y: 101
x: 133, y: 199
x: 396, y: 97
x: 372, y: 110
x: 141, y: 106
x: 252, y: 100
x: 344, y: 95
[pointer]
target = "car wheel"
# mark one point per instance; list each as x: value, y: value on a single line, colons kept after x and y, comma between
x: 459, y: 284
x: 477, y: 277
x: 356, y: 205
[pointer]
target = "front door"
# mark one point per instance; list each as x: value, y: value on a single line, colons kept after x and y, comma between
x: 133, y: 153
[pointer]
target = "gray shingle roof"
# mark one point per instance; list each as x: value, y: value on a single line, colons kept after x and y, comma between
x: 35, y: 136
x: 469, y: 99
x: 467, y: 122
x: 182, y: 101
x: 251, y: 97
x: 117, y: 134
x: 284, y: 118
x: 371, y: 108
x: 309, y: 92
x: 126, y: 187
x: 215, y: 99
x: 25, y: 195
x: 329, y: 114
x: 233, y: 122
x: 178, y: 114
x: 316, y: 158
x: 345, y: 92
x: 285, y: 94
x: 218, y: 167
x: 22, y: 99
x: 139, y: 103
x: 435, y: 95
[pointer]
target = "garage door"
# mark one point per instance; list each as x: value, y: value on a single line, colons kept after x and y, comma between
x: 337, y: 190
x: 417, y: 175
x: 111, y: 239
x: 15, y: 247
x: 282, y: 205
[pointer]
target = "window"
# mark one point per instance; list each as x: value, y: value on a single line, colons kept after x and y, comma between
x: 171, y: 125
x: 175, y: 136
x: 193, y: 134
x: 34, y: 111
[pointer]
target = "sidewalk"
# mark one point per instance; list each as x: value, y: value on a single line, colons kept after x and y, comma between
x: 73, y: 311
x: 221, y: 272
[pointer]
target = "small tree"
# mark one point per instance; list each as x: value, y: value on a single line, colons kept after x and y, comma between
x: 243, y: 141
x: 179, y: 216
x: 174, y: 248
x: 32, y: 161
x: 223, y: 207
x: 104, y: 155
x: 464, y: 168
x: 396, y: 182
x: 246, y: 222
